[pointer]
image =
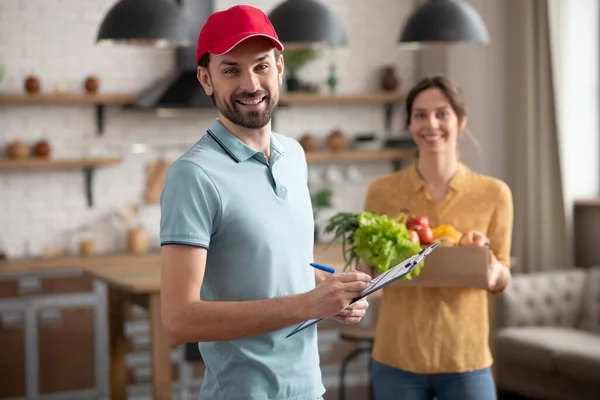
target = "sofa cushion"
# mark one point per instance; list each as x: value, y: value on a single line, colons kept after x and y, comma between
x: 541, y: 347
x: 528, y: 346
x: 551, y: 298
x: 582, y: 360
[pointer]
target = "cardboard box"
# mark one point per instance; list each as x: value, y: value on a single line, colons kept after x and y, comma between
x: 458, y: 266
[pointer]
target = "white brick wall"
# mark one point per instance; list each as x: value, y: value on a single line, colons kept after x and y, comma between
x: 54, y: 39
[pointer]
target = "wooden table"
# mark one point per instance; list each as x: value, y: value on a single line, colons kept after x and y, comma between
x: 135, y: 280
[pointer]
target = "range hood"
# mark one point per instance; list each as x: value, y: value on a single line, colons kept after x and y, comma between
x: 181, y: 90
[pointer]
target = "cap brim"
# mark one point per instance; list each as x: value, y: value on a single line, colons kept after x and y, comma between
x: 228, y: 44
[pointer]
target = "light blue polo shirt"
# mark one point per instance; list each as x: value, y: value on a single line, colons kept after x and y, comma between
x: 255, y: 218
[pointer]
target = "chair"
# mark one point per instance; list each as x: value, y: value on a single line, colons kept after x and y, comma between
x: 364, y: 336
x: 547, y: 335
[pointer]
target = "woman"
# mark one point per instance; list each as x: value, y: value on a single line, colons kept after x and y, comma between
x: 433, y: 341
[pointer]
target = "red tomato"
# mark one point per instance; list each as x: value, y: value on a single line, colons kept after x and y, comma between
x: 425, y: 234
x: 419, y: 220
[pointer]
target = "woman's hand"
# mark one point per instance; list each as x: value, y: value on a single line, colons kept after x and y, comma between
x: 498, y: 275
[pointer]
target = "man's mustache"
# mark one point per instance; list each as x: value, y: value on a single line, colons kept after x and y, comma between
x: 247, y: 95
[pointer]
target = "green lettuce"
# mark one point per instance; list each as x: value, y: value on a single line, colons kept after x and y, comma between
x: 382, y: 242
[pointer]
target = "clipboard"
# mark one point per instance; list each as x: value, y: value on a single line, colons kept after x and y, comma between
x: 378, y: 283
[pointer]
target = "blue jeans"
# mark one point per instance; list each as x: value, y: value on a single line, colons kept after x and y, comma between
x: 394, y: 384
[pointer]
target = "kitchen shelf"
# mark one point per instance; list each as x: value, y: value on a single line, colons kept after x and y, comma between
x: 88, y: 165
x: 356, y: 155
x: 387, y: 99
x: 65, y: 98
x: 99, y: 101
x: 350, y: 98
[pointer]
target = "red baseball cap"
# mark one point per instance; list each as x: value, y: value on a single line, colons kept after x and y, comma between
x: 225, y: 29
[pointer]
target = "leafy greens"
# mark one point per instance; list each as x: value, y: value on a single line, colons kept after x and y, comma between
x: 382, y: 242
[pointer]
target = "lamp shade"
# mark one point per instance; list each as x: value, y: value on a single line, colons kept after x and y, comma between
x: 444, y: 21
x: 304, y: 23
x: 158, y: 23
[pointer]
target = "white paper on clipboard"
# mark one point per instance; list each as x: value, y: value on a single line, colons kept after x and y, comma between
x: 378, y: 283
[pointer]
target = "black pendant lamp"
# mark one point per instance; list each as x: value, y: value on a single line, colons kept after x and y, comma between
x: 156, y: 23
x: 443, y: 22
x: 306, y: 23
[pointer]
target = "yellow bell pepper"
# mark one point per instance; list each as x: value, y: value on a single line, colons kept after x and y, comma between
x: 446, y: 231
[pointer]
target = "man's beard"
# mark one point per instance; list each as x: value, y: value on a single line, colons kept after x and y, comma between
x: 247, y: 119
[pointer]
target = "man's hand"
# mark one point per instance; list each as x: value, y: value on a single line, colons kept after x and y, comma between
x: 353, y: 313
x: 335, y: 293
x: 367, y: 269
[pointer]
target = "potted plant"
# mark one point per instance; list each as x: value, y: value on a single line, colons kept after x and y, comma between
x: 321, y: 200
x: 294, y: 60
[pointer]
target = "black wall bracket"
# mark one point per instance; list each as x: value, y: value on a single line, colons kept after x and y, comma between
x: 99, y: 119
x: 388, y: 109
x: 88, y: 174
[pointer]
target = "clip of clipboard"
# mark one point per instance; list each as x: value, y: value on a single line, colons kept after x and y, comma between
x: 391, y: 275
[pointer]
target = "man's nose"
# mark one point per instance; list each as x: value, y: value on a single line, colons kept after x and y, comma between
x: 250, y: 82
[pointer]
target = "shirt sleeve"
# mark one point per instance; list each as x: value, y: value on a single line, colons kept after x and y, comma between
x: 501, y: 226
x: 373, y: 198
x: 190, y: 206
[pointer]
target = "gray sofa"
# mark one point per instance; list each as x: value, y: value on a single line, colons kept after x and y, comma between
x: 546, y: 335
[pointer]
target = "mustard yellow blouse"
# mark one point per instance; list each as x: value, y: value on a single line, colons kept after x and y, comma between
x: 441, y: 330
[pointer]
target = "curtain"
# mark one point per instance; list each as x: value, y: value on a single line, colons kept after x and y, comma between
x: 540, y: 238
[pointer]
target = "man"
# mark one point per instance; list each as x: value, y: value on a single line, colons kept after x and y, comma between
x: 237, y: 230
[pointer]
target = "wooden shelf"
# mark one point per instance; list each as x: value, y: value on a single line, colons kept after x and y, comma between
x: 41, y: 163
x: 88, y: 165
x: 324, y: 156
x: 387, y: 99
x: 124, y: 99
x: 351, y: 98
x: 65, y: 98
x: 99, y: 101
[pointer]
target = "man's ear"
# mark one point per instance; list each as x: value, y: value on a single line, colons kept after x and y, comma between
x: 280, y: 68
x: 204, y: 79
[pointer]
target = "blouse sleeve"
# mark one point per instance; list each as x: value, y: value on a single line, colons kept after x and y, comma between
x: 373, y: 198
x: 501, y: 226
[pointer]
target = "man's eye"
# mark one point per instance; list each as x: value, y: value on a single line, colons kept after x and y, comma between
x: 262, y: 66
x: 229, y: 71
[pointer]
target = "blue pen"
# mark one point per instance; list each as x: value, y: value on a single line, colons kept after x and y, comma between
x: 323, y: 268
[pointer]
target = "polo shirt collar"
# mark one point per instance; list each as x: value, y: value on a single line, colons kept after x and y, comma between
x: 417, y: 183
x: 237, y: 149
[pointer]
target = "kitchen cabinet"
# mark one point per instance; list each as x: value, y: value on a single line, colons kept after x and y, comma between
x: 51, y: 330
x: 12, y: 362
x: 66, y: 331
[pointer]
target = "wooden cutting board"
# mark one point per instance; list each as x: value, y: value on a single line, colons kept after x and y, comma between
x: 156, y: 173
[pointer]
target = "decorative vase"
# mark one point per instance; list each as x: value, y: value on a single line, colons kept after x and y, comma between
x: 32, y: 84
x: 389, y: 79
x: 91, y: 85
x: 137, y: 241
